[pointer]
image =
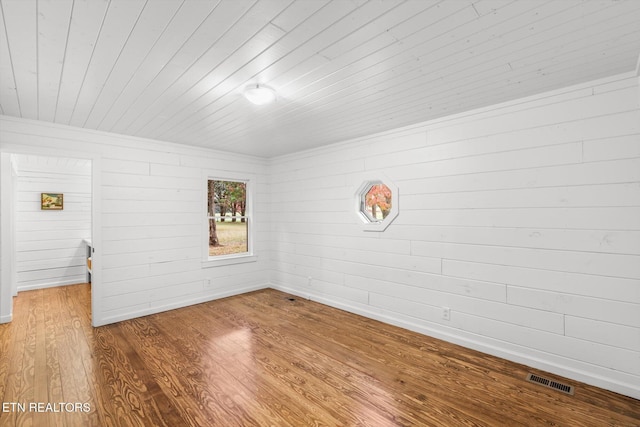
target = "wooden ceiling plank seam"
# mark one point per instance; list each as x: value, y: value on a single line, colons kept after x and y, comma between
x: 180, y: 61
x: 206, y: 108
x: 53, y: 30
x: 111, y: 43
x: 84, y: 30
x: 238, y: 35
x: 342, y: 101
x: 152, y: 24
x: 10, y: 102
x: 20, y: 24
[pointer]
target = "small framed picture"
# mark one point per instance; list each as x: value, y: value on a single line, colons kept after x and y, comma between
x: 51, y: 201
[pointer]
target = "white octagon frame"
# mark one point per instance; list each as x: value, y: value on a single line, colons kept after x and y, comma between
x: 364, y: 220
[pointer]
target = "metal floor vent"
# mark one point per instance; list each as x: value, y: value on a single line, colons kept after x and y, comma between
x: 565, y: 388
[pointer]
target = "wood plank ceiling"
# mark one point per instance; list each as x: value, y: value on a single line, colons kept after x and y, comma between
x: 174, y: 70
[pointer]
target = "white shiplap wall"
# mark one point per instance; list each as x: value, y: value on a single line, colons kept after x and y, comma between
x: 523, y: 218
x: 50, y: 250
x: 151, y: 198
x: 5, y: 291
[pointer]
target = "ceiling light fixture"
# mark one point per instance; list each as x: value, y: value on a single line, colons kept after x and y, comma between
x: 259, y: 94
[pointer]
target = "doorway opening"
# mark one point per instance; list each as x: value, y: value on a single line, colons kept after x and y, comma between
x: 48, y: 220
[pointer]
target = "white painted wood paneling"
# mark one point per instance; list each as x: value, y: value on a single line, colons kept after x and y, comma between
x: 611, y: 288
x: 622, y: 313
x: 50, y: 248
x: 151, y: 216
x: 519, y: 218
x: 603, y: 332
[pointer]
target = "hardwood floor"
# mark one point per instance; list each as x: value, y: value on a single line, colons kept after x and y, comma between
x: 260, y: 359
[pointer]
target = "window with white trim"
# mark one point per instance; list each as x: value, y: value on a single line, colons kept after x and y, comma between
x: 228, y: 219
x: 376, y: 203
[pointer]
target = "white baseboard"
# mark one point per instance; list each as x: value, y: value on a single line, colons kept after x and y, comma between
x: 73, y: 281
x: 583, y: 372
x: 6, y: 319
x: 105, y: 320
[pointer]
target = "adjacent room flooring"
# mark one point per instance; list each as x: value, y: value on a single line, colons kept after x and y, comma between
x: 265, y: 359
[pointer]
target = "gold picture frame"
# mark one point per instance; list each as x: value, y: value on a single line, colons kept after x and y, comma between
x: 51, y: 201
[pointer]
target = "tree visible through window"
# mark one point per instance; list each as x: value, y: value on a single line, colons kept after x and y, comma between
x: 377, y: 202
x: 228, y: 220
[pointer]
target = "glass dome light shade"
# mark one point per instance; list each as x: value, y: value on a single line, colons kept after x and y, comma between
x: 259, y: 94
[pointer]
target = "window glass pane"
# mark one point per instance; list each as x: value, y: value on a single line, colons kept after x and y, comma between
x: 232, y: 236
x: 228, y: 224
x: 377, y: 202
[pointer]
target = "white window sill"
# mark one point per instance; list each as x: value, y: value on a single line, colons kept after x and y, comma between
x: 228, y: 260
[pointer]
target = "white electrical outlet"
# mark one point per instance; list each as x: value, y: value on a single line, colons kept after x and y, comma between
x: 446, y: 313
x: 309, y: 279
